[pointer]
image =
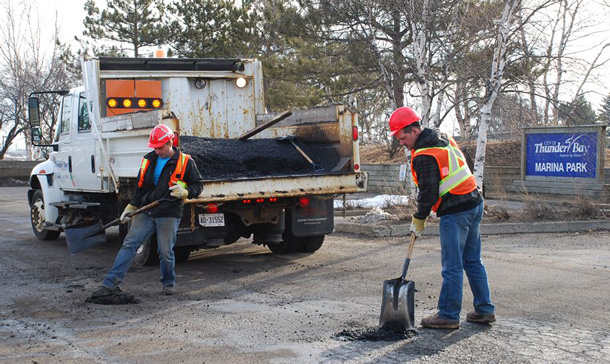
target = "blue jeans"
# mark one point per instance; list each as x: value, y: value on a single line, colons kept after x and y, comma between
x: 461, y: 250
x: 142, y: 228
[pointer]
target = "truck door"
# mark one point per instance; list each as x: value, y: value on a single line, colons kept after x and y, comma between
x: 83, y: 156
x: 62, y: 158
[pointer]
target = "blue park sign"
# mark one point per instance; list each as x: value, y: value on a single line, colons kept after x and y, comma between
x: 562, y: 155
x: 563, y: 152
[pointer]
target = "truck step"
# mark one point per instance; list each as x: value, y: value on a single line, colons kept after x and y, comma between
x: 75, y: 205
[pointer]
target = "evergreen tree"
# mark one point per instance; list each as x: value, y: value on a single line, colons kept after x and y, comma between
x: 577, y: 112
x: 206, y: 29
x: 604, y: 112
x: 133, y: 22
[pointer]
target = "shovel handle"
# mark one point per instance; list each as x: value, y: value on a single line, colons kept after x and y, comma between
x: 411, y: 245
x: 143, y: 208
x: 301, y: 152
x: 131, y: 214
x: 405, y: 268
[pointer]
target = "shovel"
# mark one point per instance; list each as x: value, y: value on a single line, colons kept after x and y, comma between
x: 398, y: 303
x: 87, y: 234
x: 316, y: 168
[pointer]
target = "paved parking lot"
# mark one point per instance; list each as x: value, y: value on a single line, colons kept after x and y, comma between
x: 241, y: 303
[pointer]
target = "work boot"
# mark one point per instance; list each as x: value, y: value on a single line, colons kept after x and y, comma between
x: 103, y: 291
x: 481, y: 318
x: 437, y: 322
x: 168, y: 290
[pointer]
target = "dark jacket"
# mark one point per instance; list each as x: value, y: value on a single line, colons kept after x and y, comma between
x: 429, y: 177
x: 149, y: 192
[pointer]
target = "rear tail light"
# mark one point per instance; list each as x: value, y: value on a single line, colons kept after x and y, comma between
x: 355, y: 133
x: 304, y: 201
x: 212, y: 208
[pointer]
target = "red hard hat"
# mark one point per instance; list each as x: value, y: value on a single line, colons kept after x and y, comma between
x: 160, y: 135
x: 401, y: 117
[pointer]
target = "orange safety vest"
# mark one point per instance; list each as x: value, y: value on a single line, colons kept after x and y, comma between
x: 176, y: 177
x: 455, y: 174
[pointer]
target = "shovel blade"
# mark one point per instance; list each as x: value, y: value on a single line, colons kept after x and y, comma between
x: 398, y: 305
x: 84, y: 235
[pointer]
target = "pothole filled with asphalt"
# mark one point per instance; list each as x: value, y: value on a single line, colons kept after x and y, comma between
x: 374, y: 334
x: 115, y: 299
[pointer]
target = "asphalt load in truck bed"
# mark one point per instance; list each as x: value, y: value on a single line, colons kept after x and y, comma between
x: 229, y: 159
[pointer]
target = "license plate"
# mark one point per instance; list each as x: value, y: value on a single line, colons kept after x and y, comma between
x: 212, y: 220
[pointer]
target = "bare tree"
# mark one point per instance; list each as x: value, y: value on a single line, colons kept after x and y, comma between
x: 565, y: 51
x: 28, y: 62
x: 498, y: 66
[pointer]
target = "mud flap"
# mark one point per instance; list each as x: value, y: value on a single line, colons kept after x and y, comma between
x: 317, y: 218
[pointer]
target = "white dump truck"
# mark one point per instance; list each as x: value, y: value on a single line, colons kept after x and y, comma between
x: 101, y: 136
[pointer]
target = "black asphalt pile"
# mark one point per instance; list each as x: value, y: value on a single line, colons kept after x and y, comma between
x: 229, y: 159
x: 374, y: 334
x: 115, y: 299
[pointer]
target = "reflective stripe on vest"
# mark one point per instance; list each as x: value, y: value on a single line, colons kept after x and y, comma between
x: 176, y: 176
x: 454, y: 171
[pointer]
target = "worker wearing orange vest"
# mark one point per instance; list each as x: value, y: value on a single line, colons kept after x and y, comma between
x: 448, y: 188
x: 166, y: 175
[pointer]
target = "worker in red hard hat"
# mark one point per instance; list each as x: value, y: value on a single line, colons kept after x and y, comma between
x: 166, y: 175
x: 448, y: 188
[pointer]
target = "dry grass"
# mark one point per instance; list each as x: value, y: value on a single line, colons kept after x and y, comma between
x: 585, y: 209
x: 498, y: 153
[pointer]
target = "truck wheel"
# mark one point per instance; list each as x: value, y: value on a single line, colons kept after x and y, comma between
x: 182, y: 253
x: 312, y: 243
x: 291, y: 244
x: 147, y: 253
x: 37, y: 217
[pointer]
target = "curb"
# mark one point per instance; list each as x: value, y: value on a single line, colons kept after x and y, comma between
x: 486, y: 229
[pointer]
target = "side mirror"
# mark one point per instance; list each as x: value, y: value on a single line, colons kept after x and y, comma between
x: 34, y: 113
x: 36, y: 134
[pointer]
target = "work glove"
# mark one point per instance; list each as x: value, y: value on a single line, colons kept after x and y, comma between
x: 417, y: 226
x: 128, y: 209
x: 178, y: 191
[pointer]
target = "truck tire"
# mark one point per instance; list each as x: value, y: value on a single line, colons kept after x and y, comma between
x: 37, y: 218
x: 311, y: 244
x: 182, y: 253
x: 147, y: 252
x: 290, y: 244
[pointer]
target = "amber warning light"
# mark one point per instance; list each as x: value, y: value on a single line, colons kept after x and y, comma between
x: 138, y: 103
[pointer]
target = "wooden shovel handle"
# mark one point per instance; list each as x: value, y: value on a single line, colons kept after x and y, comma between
x: 302, y: 153
x: 411, y: 245
x: 264, y: 126
x: 144, y: 208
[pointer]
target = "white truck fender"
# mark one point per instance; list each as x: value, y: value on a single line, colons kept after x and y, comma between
x: 41, y: 178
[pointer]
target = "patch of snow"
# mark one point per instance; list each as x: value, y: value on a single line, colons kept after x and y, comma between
x: 381, y: 201
x: 376, y: 214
